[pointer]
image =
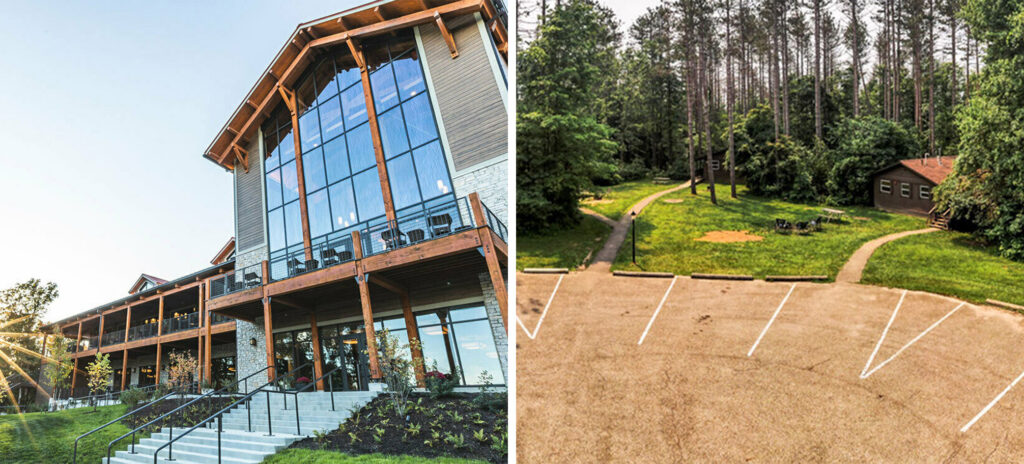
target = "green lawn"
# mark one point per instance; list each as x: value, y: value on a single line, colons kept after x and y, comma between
x: 50, y: 437
x: 565, y: 248
x: 616, y: 200
x: 666, y: 233
x: 949, y: 263
x: 305, y: 456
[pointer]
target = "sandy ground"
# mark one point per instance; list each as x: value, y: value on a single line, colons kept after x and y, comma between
x: 588, y: 392
x: 729, y: 236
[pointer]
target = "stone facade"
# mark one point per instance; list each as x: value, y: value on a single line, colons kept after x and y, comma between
x: 490, y: 180
x: 497, y: 325
x: 249, y: 358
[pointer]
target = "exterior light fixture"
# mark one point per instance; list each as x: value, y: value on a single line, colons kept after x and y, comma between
x: 252, y: 341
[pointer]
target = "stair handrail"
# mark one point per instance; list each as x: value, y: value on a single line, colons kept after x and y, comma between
x: 204, y: 396
x: 219, y: 415
x: 330, y: 381
x: 74, y: 455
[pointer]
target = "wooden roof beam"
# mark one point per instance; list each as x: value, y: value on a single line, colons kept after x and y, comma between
x: 357, y: 53
x: 448, y: 38
x: 387, y: 284
x: 409, y: 20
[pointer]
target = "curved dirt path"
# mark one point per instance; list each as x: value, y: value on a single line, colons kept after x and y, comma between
x: 602, y: 261
x: 853, y: 270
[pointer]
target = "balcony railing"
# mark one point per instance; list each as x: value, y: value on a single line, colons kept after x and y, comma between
x: 219, y: 319
x: 177, y: 324
x: 331, y: 251
x: 416, y: 226
x: 87, y: 343
x: 495, y: 224
x: 140, y: 332
x: 246, y: 278
x: 113, y: 338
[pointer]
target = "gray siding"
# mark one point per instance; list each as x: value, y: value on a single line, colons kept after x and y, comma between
x: 467, y: 95
x: 249, y: 201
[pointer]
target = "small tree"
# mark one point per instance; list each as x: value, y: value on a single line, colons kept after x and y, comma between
x: 99, y: 372
x: 183, y: 369
x: 59, y: 366
x: 396, y: 368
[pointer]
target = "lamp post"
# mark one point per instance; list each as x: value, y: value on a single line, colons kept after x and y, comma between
x: 632, y: 225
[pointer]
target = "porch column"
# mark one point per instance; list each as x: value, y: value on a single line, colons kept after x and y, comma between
x: 364, y: 299
x: 208, y: 371
x: 318, y: 367
x: 199, y: 336
x: 414, y: 340
x: 74, y: 379
x: 371, y: 112
x: 124, y: 359
x: 159, y: 356
x: 99, y: 338
x: 268, y: 323
x: 292, y: 103
x: 160, y: 318
x: 493, y: 265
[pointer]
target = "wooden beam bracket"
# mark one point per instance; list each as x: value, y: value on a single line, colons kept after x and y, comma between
x: 448, y: 39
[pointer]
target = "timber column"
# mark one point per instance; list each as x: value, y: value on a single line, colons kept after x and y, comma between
x: 493, y: 265
x: 268, y: 324
x: 364, y: 299
x: 124, y: 359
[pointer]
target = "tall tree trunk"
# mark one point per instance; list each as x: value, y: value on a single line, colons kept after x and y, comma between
x: 931, y: 76
x: 785, y: 69
x: 773, y: 77
x: 706, y: 109
x: 690, y: 89
x: 898, y: 64
x: 856, y: 59
x: 817, y: 68
x: 729, y: 101
x: 952, y: 61
x: 967, y: 63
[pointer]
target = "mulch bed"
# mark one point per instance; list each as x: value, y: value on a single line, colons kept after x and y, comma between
x: 187, y: 417
x: 470, y: 426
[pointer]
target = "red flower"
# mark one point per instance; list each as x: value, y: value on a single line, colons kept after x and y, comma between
x: 302, y: 380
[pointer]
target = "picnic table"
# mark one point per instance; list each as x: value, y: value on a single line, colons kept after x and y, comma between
x: 830, y: 214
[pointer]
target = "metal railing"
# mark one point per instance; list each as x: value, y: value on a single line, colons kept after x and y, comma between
x: 113, y: 338
x: 330, y: 251
x: 413, y: 226
x: 495, y: 224
x: 142, y: 331
x: 219, y: 417
x: 223, y: 391
x: 177, y: 324
x: 216, y: 318
x: 74, y: 456
x: 88, y: 343
x: 243, y: 279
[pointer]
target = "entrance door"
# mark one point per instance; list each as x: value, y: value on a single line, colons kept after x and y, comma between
x: 355, y: 371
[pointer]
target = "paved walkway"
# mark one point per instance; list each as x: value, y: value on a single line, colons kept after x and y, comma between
x: 854, y: 268
x: 602, y: 261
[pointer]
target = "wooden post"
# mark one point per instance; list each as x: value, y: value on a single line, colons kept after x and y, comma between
x: 74, y: 379
x: 124, y: 359
x: 378, y: 146
x: 78, y: 341
x: 292, y: 103
x: 124, y: 367
x: 318, y: 367
x: 160, y: 318
x: 364, y: 299
x: 74, y: 373
x: 99, y: 338
x: 268, y: 324
x: 208, y: 370
x: 413, y: 331
x: 159, y: 357
x: 128, y: 323
x: 493, y: 266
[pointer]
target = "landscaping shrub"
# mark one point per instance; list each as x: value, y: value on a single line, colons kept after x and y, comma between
x: 133, y: 397
x: 862, y: 146
x: 784, y: 170
x: 396, y: 369
x: 440, y: 384
x: 634, y: 170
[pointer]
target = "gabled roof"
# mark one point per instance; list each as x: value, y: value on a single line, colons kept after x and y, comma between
x: 348, y: 27
x: 226, y: 251
x: 933, y: 169
x: 156, y: 281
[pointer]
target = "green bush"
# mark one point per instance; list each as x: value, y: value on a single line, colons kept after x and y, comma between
x: 133, y: 397
x: 862, y: 146
x: 634, y: 170
x: 440, y: 384
x: 784, y: 170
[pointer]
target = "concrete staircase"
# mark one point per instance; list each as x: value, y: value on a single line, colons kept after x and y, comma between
x: 238, y: 444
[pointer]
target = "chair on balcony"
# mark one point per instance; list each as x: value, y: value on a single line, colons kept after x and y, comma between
x: 440, y: 224
x: 295, y: 267
x: 392, y: 238
x: 252, y: 279
x: 416, y: 235
x: 312, y: 264
x: 330, y: 257
x: 345, y: 255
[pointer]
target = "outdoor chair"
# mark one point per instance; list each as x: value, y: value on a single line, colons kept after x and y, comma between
x: 312, y: 264
x: 345, y: 255
x: 295, y: 267
x: 330, y: 257
x: 802, y: 227
x: 415, y: 235
x: 782, y: 225
x: 392, y: 238
x: 815, y: 223
x: 440, y: 224
x: 251, y: 279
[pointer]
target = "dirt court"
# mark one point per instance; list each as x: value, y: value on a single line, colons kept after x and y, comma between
x: 713, y: 381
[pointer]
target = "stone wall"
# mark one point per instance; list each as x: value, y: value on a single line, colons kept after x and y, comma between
x: 250, y: 358
x: 497, y: 325
x: 491, y: 182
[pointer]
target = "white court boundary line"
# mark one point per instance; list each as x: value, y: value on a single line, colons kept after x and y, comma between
x: 993, y: 403
x: 545, y: 313
x: 867, y: 374
x: 656, y: 311
x: 884, y: 332
x: 770, y: 321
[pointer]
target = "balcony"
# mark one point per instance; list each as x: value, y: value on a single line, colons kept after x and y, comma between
x: 143, y: 331
x: 113, y: 338
x: 237, y: 281
x: 177, y: 324
x: 219, y: 319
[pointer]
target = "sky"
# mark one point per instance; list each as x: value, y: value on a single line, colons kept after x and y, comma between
x: 105, y: 110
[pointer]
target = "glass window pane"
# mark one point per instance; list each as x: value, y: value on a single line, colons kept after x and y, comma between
x: 319, y: 214
x: 276, y: 229
x: 309, y: 128
x: 353, y: 105
x: 438, y: 349
x: 402, y: 177
x: 343, y: 205
x: 336, y: 158
x: 271, y: 149
x: 477, y: 351
x: 430, y: 318
x: 325, y: 80
x: 274, y: 189
x: 313, y: 170
x: 293, y: 223
x: 420, y: 120
x: 330, y: 118
x: 305, y: 95
x: 368, y: 195
x: 290, y: 182
x: 392, y: 133
x: 360, y: 148
x: 467, y: 314
x: 432, y: 170
x: 382, y: 82
x: 287, y: 145
x: 409, y: 75
x: 348, y: 72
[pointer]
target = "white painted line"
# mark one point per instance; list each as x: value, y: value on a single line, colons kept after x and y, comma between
x: 770, y: 321
x: 929, y: 329
x: 656, y: 311
x: 880, y: 340
x: 993, y: 403
x: 543, y: 314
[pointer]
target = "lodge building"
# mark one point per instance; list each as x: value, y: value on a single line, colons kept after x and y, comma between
x: 369, y: 165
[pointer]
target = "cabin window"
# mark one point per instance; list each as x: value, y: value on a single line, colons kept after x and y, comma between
x: 885, y: 186
x: 925, y: 192
x: 904, y: 190
x: 715, y: 165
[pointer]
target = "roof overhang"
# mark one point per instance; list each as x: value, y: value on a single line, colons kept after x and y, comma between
x: 224, y: 252
x: 347, y: 27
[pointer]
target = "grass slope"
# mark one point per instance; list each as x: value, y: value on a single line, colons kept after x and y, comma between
x: 616, y: 200
x: 50, y: 437
x: 950, y: 263
x: 305, y: 456
x: 666, y: 233
x: 565, y: 248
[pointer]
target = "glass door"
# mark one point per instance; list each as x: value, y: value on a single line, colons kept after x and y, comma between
x: 355, y: 370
